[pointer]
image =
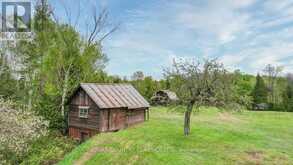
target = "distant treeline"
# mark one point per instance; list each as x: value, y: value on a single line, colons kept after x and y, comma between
x: 270, y: 90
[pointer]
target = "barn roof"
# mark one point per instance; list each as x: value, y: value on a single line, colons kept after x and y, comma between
x: 114, y: 95
x: 172, y: 95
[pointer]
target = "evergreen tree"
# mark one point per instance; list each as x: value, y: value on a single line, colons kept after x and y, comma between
x: 260, y: 92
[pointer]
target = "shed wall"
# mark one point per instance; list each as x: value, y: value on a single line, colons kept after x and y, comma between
x: 135, y: 116
x: 77, y: 133
x: 99, y: 120
x: 115, y: 119
x: 82, y: 99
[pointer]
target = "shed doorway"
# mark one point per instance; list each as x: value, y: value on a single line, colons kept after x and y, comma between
x: 84, y: 136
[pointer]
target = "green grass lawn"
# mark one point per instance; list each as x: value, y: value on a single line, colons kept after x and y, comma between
x: 217, y: 137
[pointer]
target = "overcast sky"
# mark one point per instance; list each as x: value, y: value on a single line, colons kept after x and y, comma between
x: 243, y: 34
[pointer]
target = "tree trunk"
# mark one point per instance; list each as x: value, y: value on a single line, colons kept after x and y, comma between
x: 30, y: 95
x: 64, y: 92
x: 30, y: 91
x: 187, y: 118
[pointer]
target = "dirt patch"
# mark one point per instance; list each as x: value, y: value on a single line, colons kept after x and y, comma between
x: 133, y: 159
x: 255, y: 157
x: 228, y: 117
x: 89, y: 154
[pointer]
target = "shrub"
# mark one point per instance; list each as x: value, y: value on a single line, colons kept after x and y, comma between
x: 17, y: 129
x: 48, y: 149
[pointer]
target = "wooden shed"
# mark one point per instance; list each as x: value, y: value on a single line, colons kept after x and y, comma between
x: 164, y: 97
x: 95, y: 108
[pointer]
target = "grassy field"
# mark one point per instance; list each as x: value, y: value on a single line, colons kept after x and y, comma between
x: 217, y: 137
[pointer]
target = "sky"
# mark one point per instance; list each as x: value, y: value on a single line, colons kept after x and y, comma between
x: 242, y: 34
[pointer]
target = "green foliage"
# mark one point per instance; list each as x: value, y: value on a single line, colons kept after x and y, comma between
x: 19, y: 127
x: 288, y: 95
x: 48, y: 149
x: 147, y: 86
x: 50, y: 111
x: 243, y: 86
x: 205, y: 83
x: 8, y: 83
x: 260, y: 92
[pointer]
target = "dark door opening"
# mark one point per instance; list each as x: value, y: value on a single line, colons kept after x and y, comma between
x: 84, y: 136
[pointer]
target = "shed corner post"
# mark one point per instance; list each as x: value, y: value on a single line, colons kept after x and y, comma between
x: 148, y: 114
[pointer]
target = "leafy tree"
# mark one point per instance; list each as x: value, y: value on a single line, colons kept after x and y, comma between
x: 200, y: 84
x: 260, y: 92
x: 146, y: 85
x: 288, y: 94
x: 168, y: 85
x: 243, y: 86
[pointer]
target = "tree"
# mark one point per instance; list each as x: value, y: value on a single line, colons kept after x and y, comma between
x: 244, y: 84
x: 260, y: 92
x: 272, y: 73
x: 138, y: 75
x: 167, y: 84
x: 288, y: 94
x: 146, y: 86
x: 206, y: 83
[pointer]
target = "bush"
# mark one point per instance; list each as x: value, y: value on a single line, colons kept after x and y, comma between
x: 48, y: 149
x: 18, y: 128
x: 49, y: 108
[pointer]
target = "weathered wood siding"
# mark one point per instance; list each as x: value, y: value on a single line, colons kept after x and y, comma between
x: 135, y: 116
x: 104, y: 120
x: 76, y: 133
x: 82, y: 99
x: 112, y: 119
x: 117, y: 119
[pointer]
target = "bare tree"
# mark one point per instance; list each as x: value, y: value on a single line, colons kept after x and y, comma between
x: 272, y: 73
x: 138, y: 75
x: 201, y: 84
x: 100, y: 29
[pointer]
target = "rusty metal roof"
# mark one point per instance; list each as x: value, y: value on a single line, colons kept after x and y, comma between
x: 114, y: 95
x: 172, y: 95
